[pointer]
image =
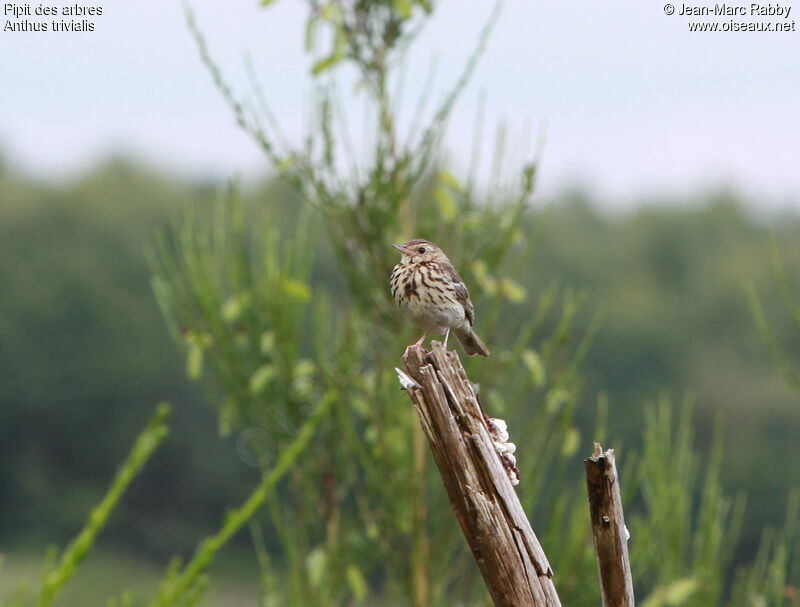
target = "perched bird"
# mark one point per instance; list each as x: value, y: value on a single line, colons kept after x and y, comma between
x: 428, y: 289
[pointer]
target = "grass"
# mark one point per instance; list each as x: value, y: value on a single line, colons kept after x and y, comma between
x: 105, y: 572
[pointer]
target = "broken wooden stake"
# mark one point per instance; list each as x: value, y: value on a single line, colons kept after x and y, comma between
x: 514, y: 566
x: 608, y: 528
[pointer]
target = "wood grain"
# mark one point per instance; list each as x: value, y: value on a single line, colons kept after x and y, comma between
x: 608, y: 529
x: 505, y: 548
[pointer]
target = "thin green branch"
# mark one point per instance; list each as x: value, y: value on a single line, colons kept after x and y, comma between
x: 261, y: 98
x: 435, y: 129
x: 789, y: 298
x: 174, y: 591
x: 225, y: 90
x: 769, y: 338
x: 144, y: 447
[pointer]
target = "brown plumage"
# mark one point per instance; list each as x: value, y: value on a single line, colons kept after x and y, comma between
x: 428, y: 289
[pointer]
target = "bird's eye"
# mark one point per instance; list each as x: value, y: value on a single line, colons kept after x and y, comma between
x: 421, y: 250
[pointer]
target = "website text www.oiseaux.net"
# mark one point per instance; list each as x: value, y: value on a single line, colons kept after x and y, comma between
x: 728, y: 17
x: 741, y: 26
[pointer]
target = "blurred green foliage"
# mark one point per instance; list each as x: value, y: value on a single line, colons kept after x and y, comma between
x: 84, y: 357
x: 575, y: 245
x: 277, y: 297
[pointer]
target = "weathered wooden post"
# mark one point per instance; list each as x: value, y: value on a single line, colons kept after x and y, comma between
x: 608, y: 528
x: 495, y: 526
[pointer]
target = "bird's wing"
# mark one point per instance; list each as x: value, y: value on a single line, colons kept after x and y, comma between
x: 461, y: 292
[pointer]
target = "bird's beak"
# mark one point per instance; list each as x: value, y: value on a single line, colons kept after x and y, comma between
x: 402, y: 249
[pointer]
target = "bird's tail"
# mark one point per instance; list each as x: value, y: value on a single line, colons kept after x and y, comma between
x: 470, y: 341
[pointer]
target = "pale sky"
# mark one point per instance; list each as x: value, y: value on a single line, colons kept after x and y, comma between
x: 632, y: 104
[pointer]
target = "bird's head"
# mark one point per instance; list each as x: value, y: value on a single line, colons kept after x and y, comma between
x: 419, y: 250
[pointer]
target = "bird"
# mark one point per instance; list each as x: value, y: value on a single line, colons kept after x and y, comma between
x: 427, y: 288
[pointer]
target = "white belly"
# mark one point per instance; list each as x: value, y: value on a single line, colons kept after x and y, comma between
x: 435, y: 318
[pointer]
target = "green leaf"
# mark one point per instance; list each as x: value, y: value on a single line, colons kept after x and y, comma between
x: 339, y: 42
x: 360, y: 405
x: 233, y: 308
x: 328, y: 12
x: 286, y: 163
x: 357, y: 583
x: 446, y: 203
x: 310, y: 35
x: 535, y: 366
x: 529, y: 176
x: 450, y: 180
x: 338, y: 53
x: 556, y: 399
x: 512, y: 290
x: 486, y: 282
x: 194, y: 360
x: 316, y: 563
x: 404, y: 8
x: 267, y: 342
x: 304, y: 368
x: 262, y: 376
x: 677, y: 593
x: 572, y: 439
x: 324, y: 64
x: 302, y: 386
x: 227, y: 415
x: 296, y: 290
x: 335, y: 57
x: 266, y: 2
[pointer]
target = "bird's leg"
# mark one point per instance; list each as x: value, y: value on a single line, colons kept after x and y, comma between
x: 446, y: 335
x: 419, y: 343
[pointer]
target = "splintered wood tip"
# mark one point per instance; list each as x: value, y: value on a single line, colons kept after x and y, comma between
x: 406, y: 382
